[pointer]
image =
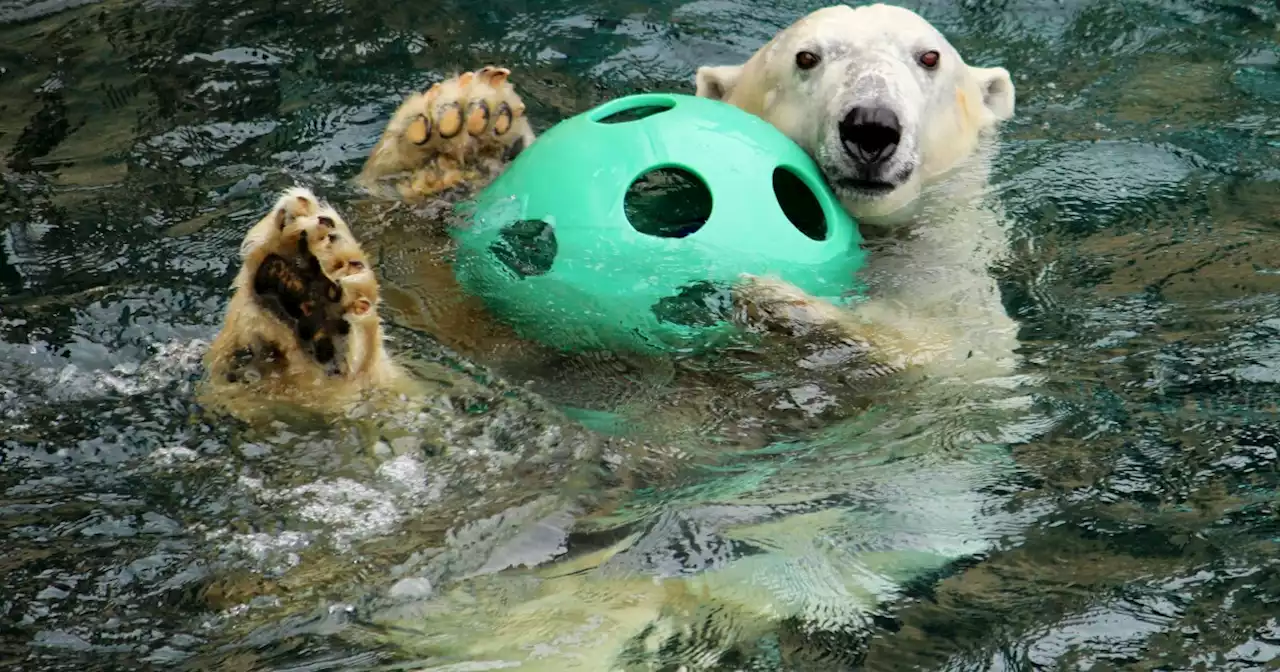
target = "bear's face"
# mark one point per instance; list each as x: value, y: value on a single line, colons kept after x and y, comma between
x: 876, y: 95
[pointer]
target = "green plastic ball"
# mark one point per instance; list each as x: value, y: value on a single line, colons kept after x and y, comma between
x: 566, y: 247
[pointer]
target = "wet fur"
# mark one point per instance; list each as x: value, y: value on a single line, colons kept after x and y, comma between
x: 287, y: 332
x: 932, y: 239
x: 302, y: 325
x: 461, y: 132
x: 286, y: 324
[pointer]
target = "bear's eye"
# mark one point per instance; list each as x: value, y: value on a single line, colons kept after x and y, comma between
x: 806, y: 60
x: 929, y: 59
x: 356, y: 265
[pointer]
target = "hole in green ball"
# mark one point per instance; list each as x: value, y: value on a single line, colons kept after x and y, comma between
x: 799, y: 203
x: 634, y: 113
x: 667, y: 203
x: 698, y: 304
x: 528, y: 247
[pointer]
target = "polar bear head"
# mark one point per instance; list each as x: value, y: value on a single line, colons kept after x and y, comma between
x: 878, y: 97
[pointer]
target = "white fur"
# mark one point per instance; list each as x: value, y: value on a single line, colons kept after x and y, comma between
x: 931, y: 237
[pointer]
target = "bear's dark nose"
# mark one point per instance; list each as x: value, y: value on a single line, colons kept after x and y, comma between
x: 870, y: 134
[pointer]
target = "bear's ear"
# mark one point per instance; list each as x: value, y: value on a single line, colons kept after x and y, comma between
x: 997, y: 91
x: 717, y: 82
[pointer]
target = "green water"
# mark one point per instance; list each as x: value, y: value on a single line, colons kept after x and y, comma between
x: 1113, y: 506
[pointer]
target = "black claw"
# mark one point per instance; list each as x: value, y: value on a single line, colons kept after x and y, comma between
x: 513, y: 150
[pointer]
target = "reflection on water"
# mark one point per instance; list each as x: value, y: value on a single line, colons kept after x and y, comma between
x: 1113, y: 506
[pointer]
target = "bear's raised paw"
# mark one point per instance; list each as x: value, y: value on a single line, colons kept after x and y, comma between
x: 461, y: 131
x: 306, y: 300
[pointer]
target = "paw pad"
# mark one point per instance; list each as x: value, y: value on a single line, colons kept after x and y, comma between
x: 477, y: 117
x: 479, y: 102
x: 502, y: 123
x: 293, y: 284
x: 324, y: 349
x: 341, y: 268
x: 296, y: 202
x: 419, y: 130
x: 450, y: 116
x: 456, y: 131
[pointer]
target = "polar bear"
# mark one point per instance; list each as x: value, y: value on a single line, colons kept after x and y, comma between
x: 900, y: 125
x: 902, y: 128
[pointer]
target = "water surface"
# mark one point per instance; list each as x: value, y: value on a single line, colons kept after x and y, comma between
x: 1113, y: 508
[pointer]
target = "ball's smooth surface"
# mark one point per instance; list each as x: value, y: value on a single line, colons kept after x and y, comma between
x: 561, y: 246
